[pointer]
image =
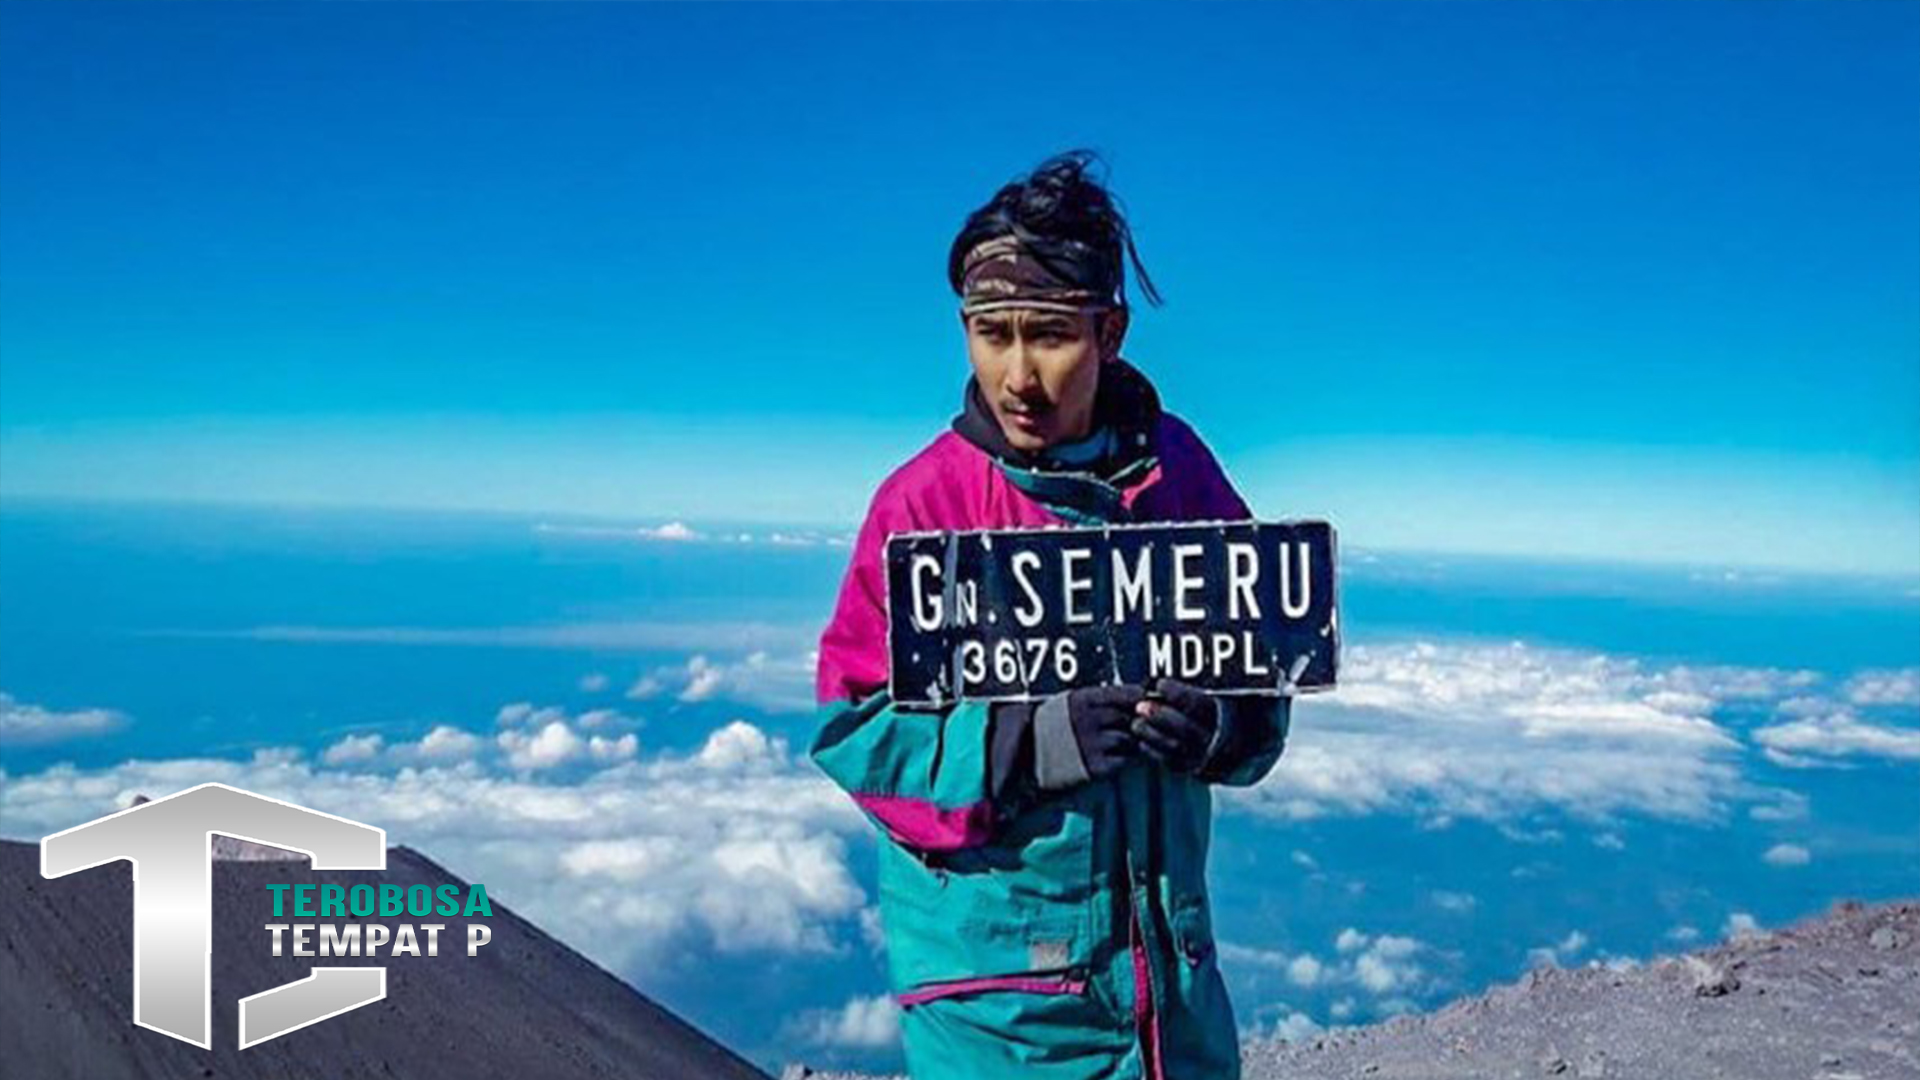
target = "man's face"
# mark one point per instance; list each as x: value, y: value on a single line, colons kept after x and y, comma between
x: 1038, y: 371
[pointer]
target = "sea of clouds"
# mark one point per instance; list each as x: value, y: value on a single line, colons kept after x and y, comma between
x: 739, y: 846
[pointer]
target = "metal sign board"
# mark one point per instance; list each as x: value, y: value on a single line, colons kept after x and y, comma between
x: 1238, y: 607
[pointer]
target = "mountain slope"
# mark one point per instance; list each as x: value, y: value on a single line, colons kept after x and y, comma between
x: 525, y: 1006
x: 1833, y: 998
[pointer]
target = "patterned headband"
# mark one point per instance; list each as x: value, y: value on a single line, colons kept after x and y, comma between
x: 1062, y: 275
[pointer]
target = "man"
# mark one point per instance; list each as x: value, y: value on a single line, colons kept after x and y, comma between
x: 1043, y: 865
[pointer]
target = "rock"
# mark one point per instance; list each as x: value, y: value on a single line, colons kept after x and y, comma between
x: 1887, y: 938
x: 1711, y: 981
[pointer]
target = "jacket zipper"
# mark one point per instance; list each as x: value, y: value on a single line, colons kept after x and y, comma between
x: 1070, y: 981
x: 1146, y: 1021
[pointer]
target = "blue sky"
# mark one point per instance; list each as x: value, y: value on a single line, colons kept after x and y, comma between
x: 1627, y: 281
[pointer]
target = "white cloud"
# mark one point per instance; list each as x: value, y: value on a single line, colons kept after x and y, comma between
x: 1388, y: 966
x: 520, y: 712
x: 862, y: 1023
x: 532, y: 738
x: 1376, y: 973
x: 1248, y: 956
x: 1394, y: 947
x: 1785, y: 806
x: 680, y: 531
x: 774, y: 669
x: 546, y: 738
x: 601, y: 636
x: 672, y: 530
x: 740, y: 746
x: 552, y: 745
x: 1304, y: 970
x: 775, y: 683
x: 1456, y: 902
x: 1557, y: 954
x: 607, y: 751
x: 1899, y: 686
x: 593, y: 682
x: 808, y: 871
x: 353, y: 750
x: 1836, y: 735
x: 1496, y: 732
x: 630, y: 860
x: 1292, y: 1026
x: 601, y: 719
x: 1795, y: 761
x: 872, y: 930
x: 1804, y: 705
x: 703, y: 678
x: 446, y: 743
x: 1740, y: 925
x: 1521, y: 835
x: 1787, y: 855
x: 24, y: 723
x: 1382, y: 965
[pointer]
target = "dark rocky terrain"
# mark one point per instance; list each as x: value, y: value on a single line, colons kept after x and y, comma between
x: 525, y: 1007
x: 1833, y: 998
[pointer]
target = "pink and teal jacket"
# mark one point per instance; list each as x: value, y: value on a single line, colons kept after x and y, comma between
x: 1064, y: 937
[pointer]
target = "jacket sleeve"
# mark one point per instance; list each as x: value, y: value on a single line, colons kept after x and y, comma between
x: 924, y: 777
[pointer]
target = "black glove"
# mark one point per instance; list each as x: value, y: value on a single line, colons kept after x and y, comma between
x: 1178, y: 727
x: 1064, y: 740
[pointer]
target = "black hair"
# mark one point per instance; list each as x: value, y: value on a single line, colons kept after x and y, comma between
x: 1058, y: 201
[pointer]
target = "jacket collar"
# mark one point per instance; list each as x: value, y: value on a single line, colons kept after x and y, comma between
x: 1126, y: 403
x: 1083, y: 494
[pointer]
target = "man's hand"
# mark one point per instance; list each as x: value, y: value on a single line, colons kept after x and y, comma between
x: 1177, y: 725
x: 1084, y: 734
